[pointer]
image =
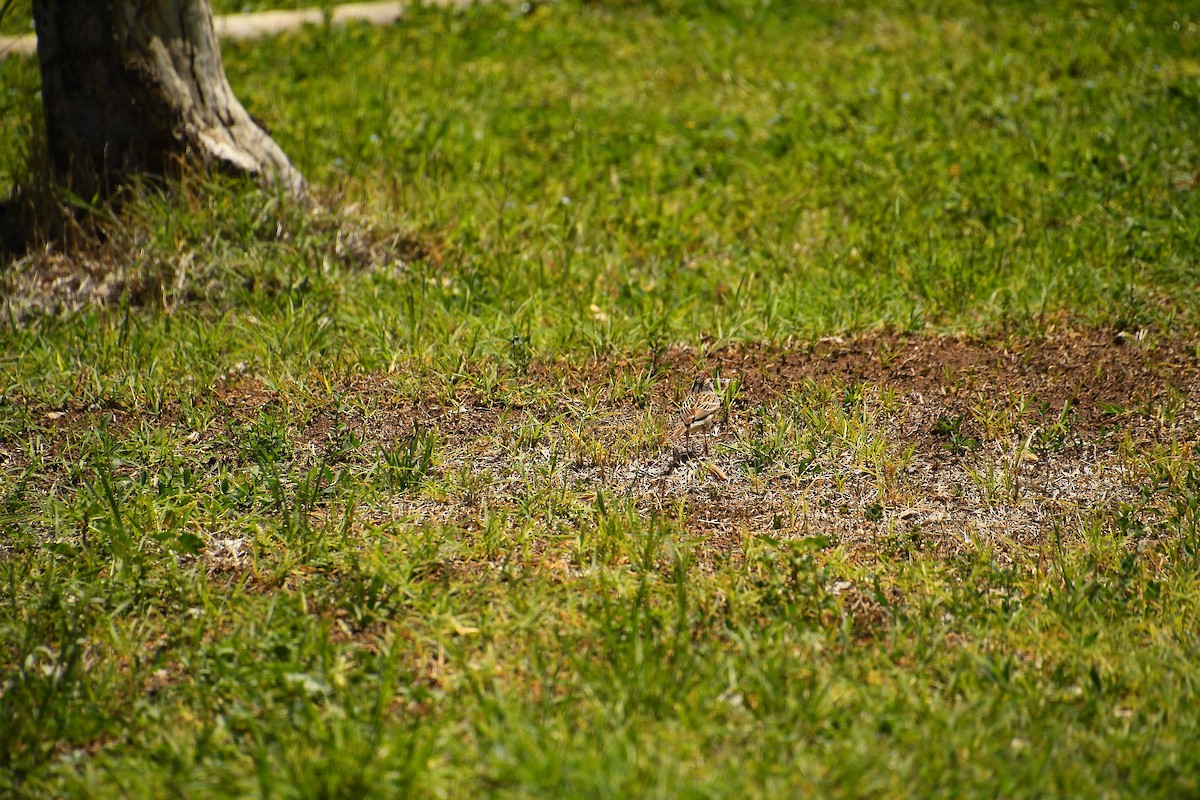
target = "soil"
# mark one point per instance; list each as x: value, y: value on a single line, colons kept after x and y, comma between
x: 895, y: 444
x: 952, y: 440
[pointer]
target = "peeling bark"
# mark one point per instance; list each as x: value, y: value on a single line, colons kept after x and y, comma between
x: 136, y: 87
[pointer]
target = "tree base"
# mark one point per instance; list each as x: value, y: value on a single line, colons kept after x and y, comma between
x: 132, y: 87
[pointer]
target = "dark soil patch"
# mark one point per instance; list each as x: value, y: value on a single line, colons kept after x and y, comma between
x: 975, y: 438
x: 910, y: 443
x: 1097, y: 373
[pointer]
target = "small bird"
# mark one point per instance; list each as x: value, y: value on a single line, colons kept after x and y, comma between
x: 699, y: 411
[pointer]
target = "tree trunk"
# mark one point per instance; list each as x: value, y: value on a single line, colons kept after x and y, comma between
x: 136, y: 87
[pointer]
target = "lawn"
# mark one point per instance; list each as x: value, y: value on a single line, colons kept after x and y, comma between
x: 381, y: 497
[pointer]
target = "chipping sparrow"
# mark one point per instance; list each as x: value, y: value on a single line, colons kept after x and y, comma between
x: 699, y: 411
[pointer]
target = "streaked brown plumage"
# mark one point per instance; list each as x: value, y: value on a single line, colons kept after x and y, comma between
x: 699, y: 411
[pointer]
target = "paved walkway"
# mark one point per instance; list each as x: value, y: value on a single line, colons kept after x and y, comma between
x: 266, y: 23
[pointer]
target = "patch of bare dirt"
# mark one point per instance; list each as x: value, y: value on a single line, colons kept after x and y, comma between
x: 923, y: 442
x: 1004, y: 441
x: 1097, y: 372
x: 890, y: 443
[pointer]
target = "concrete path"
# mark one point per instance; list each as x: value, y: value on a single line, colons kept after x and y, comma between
x: 266, y: 23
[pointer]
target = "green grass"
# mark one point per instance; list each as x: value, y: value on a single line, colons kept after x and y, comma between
x: 355, y: 506
x: 851, y: 168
